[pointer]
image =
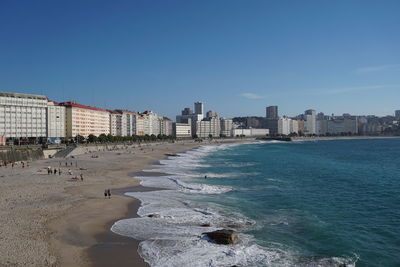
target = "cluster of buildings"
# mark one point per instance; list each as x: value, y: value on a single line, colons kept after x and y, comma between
x: 25, y: 116
x: 310, y: 123
x: 198, y: 124
x: 31, y: 117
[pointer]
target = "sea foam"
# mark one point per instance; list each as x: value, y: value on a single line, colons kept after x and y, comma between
x: 170, y: 223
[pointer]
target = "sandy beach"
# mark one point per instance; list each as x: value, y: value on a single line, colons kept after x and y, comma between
x: 53, y: 220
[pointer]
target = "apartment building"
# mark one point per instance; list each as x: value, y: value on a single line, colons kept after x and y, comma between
x: 182, y: 130
x: 56, y: 120
x: 226, y: 126
x: 22, y: 115
x: 207, y: 127
x: 85, y: 120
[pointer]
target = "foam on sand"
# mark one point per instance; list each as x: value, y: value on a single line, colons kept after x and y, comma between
x: 172, y: 222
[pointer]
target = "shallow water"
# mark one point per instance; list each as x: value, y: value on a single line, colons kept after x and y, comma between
x: 300, y: 203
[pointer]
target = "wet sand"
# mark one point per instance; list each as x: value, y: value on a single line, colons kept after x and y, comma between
x: 53, y: 220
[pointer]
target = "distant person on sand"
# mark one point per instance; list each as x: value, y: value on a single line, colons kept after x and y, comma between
x: 55, y: 171
x: 81, y: 177
x: 69, y: 172
x: 109, y: 193
x: 105, y: 193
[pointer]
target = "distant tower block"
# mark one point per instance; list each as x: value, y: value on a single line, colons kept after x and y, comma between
x: 272, y: 112
x: 199, y: 108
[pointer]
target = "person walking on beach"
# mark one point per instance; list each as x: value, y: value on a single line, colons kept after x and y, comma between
x: 55, y: 171
x: 105, y: 193
x: 109, y: 193
x: 69, y: 172
x: 59, y: 171
x: 81, y: 177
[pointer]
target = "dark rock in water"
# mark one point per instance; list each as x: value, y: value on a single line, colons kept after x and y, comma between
x: 155, y: 215
x: 205, y: 225
x: 171, y: 155
x: 224, y: 236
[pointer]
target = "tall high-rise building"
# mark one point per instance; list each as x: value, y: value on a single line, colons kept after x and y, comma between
x: 199, y: 108
x: 272, y: 112
x: 272, y: 122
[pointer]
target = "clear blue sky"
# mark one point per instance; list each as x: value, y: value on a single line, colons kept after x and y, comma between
x: 236, y: 56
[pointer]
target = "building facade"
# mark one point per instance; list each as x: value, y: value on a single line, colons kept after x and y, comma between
x: 208, y: 127
x: 199, y: 109
x: 23, y: 115
x: 182, y: 130
x: 56, y: 120
x: 310, y: 124
x: 226, y: 127
x: 250, y: 132
x: 85, y: 120
x: 272, y: 112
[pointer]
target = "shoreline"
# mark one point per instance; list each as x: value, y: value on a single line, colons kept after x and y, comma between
x: 93, y: 243
x: 332, y: 138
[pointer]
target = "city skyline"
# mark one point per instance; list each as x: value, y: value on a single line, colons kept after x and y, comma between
x: 237, y: 57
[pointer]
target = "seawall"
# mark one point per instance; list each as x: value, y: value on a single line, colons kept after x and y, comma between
x: 10, y: 154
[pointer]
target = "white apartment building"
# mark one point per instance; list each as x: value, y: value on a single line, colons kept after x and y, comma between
x: 122, y: 122
x: 138, y: 124
x: 252, y: 132
x: 294, y: 126
x: 116, y: 122
x: 22, y: 115
x: 152, y: 123
x: 310, y: 124
x: 85, y: 120
x: 166, y: 126
x: 182, y: 130
x: 226, y: 126
x: 207, y: 127
x: 56, y: 121
x: 284, y: 125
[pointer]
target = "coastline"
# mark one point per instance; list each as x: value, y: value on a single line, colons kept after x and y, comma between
x: 53, y: 220
x: 93, y: 243
x: 331, y: 138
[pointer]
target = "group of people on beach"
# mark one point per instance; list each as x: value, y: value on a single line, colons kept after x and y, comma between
x: 54, y: 171
x: 107, y: 193
x: 13, y: 163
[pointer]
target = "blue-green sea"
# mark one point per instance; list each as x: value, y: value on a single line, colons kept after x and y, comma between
x: 314, y: 203
x: 325, y: 198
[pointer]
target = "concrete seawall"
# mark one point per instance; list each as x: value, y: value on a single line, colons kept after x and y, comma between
x: 10, y: 154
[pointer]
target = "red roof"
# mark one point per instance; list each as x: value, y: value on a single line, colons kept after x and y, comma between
x: 76, y: 105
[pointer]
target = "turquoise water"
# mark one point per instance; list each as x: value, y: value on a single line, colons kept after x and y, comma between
x: 318, y: 199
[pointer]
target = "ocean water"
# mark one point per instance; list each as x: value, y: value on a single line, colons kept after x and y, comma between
x: 321, y: 203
